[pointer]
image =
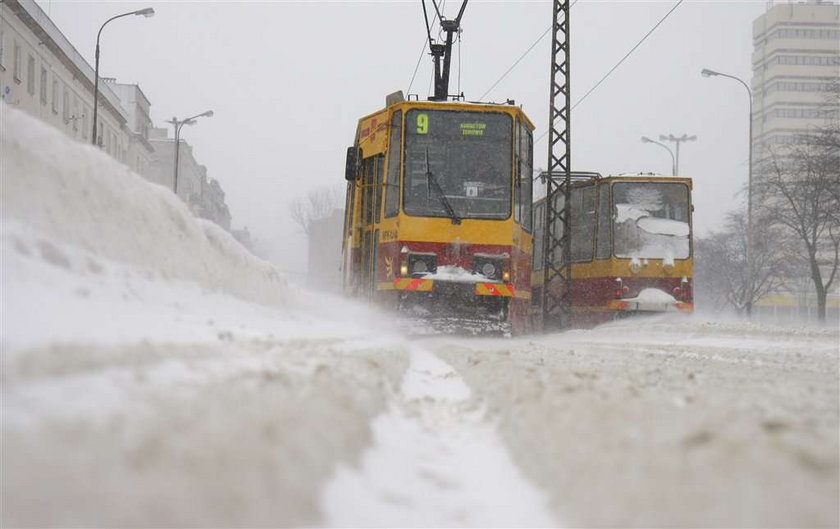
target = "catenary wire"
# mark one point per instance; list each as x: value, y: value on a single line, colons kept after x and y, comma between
x: 500, y: 79
x: 604, y: 78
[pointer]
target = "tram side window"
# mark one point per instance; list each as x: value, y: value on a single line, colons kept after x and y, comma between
x: 604, y: 224
x: 368, y: 170
x: 380, y: 172
x: 539, y: 213
x: 524, y: 186
x: 348, y: 209
x: 583, y: 222
x: 392, y: 184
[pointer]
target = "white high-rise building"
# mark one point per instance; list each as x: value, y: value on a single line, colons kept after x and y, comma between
x: 796, y: 58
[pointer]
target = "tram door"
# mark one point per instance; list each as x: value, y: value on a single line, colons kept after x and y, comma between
x: 371, y: 211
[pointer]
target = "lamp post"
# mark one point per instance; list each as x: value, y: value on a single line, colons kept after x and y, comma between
x: 645, y: 139
x: 178, y: 124
x: 711, y: 73
x: 677, y: 140
x: 146, y: 12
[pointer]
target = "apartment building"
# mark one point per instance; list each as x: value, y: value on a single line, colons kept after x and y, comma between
x: 44, y: 75
x: 796, y: 59
x: 137, y: 107
x: 796, y: 68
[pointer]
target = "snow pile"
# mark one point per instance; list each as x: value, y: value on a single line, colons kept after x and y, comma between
x: 60, y: 190
x: 652, y: 295
x: 179, y: 370
x: 456, y: 274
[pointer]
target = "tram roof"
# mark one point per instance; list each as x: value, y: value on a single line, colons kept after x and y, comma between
x: 507, y: 107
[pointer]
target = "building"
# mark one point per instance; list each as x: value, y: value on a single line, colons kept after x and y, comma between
x: 323, y: 270
x: 796, y: 68
x: 796, y: 59
x: 44, y: 75
x: 204, y: 196
x: 137, y: 106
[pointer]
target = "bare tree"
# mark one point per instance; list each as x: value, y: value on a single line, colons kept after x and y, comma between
x: 317, y: 204
x: 799, y: 189
x: 721, y: 273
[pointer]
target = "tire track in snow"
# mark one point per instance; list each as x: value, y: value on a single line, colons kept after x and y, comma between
x: 435, y: 461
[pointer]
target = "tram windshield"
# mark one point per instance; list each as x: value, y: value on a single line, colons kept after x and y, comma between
x: 651, y: 220
x: 457, y: 164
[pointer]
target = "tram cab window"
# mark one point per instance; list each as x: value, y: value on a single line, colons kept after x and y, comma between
x: 583, y: 222
x: 392, y: 184
x: 651, y: 220
x: 604, y: 224
x: 458, y: 162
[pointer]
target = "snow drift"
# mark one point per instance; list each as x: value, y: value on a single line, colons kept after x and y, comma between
x: 80, y: 196
x: 154, y: 372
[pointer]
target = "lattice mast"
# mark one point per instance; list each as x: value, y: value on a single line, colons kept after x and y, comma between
x: 557, y: 269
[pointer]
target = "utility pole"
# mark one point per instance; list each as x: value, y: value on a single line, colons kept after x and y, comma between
x: 677, y: 140
x: 556, y: 303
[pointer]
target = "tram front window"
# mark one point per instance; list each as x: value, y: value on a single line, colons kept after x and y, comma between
x: 651, y: 220
x: 457, y: 164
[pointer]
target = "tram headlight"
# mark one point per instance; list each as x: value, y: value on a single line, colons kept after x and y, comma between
x: 489, y: 267
x: 421, y: 264
x: 404, y: 270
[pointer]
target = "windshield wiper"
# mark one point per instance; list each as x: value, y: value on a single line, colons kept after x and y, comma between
x: 432, y: 180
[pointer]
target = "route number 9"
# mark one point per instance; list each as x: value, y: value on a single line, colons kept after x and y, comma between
x: 422, y: 123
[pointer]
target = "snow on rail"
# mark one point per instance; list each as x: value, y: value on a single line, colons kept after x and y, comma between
x: 436, y: 462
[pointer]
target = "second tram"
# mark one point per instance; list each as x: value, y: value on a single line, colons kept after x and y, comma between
x: 631, y: 247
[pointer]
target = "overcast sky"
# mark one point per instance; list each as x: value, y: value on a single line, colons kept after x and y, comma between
x: 288, y: 81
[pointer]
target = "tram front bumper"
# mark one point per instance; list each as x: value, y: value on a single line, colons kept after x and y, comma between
x: 459, y: 289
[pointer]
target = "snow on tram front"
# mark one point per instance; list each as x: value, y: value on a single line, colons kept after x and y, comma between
x: 438, y: 212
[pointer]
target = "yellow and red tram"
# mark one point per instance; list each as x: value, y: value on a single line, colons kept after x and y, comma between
x: 438, y: 216
x: 631, y: 247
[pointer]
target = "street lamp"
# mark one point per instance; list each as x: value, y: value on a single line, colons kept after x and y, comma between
x: 711, y: 73
x: 178, y: 124
x: 146, y: 12
x: 645, y: 139
x: 677, y: 140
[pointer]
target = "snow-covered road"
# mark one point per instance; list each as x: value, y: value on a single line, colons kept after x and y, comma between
x: 154, y: 373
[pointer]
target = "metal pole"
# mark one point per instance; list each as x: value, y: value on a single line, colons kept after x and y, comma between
x: 95, y: 88
x: 177, y: 153
x: 751, y: 280
x: 147, y: 12
x: 677, y: 159
x: 749, y: 249
x: 645, y: 139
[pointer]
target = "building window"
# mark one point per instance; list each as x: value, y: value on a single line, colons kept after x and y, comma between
x: 30, y: 75
x: 807, y: 60
x: 43, y: 85
x: 85, y: 122
x: 65, y: 106
x: 76, y: 116
x: 55, y: 96
x: 16, y: 67
x: 2, y: 49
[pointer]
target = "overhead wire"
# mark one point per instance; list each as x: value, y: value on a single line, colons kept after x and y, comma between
x: 500, y: 79
x: 604, y: 78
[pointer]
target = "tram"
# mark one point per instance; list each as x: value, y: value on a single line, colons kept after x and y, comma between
x: 438, y: 212
x: 631, y: 247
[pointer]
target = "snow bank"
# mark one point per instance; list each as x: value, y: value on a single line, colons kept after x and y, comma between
x: 155, y: 373
x: 78, y: 195
x: 669, y: 421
